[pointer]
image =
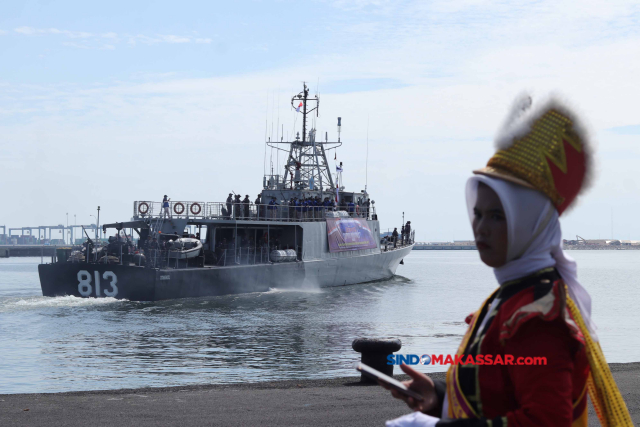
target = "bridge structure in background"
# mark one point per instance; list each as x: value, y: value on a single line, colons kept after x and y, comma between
x: 43, y: 235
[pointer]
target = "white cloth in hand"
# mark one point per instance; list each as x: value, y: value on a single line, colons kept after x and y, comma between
x: 415, y: 419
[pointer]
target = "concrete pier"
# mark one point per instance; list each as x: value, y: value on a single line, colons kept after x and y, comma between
x: 443, y: 247
x: 28, y: 250
x: 335, y: 402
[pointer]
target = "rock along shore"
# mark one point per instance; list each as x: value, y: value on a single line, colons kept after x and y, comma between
x: 332, y: 402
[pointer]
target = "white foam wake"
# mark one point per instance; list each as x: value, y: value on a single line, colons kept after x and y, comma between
x: 66, y: 301
x: 303, y: 290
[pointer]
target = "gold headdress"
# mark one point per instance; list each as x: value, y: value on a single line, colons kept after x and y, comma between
x: 543, y: 148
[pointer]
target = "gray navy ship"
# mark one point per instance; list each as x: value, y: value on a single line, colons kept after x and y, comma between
x: 305, y: 231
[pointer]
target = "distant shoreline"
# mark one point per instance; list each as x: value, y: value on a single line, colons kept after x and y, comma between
x: 606, y: 248
x: 427, y: 247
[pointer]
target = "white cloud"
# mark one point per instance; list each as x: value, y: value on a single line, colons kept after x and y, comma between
x: 76, y: 45
x: 71, y: 34
x: 26, y: 30
x: 133, y: 40
x: 175, y: 39
x: 113, y: 37
x: 2, y: 32
x: 29, y: 31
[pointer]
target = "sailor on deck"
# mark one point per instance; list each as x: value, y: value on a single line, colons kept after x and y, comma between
x: 165, y: 207
x: 229, y: 202
x: 237, y: 205
x: 298, y: 204
x: 246, y: 202
x: 258, y: 202
x: 273, y: 206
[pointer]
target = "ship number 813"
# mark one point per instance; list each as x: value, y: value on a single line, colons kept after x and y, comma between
x: 85, y: 288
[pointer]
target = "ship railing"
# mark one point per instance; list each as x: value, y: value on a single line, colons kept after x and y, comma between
x: 270, y: 212
x: 245, y: 211
x: 390, y: 243
x: 178, y: 209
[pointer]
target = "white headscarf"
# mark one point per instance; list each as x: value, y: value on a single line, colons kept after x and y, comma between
x: 534, y: 238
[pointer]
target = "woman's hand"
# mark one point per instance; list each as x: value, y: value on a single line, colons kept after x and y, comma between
x: 419, y: 383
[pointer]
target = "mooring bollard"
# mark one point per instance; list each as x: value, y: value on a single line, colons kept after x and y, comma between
x: 374, y: 353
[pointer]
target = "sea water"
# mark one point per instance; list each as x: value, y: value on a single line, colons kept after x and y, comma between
x: 69, y: 343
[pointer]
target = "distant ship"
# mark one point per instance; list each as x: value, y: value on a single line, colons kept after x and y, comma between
x: 308, y: 231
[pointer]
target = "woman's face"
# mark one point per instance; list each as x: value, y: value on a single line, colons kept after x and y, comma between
x: 490, y: 227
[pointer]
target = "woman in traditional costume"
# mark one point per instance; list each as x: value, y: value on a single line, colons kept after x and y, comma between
x: 540, y: 310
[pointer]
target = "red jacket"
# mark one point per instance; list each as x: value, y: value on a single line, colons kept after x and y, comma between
x: 530, y: 321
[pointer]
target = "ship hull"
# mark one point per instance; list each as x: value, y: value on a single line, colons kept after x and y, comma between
x: 145, y: 284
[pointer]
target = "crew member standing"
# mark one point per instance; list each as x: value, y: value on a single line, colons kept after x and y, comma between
x: 291, y: 209
x: 395, y: 237
x: 229, y: 202
x: 246, y: 203
x: 165, y: 207
x: 258, y: 202
x: 237, y: 204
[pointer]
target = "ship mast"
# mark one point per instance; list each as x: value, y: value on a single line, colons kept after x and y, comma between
x: 307, y: 167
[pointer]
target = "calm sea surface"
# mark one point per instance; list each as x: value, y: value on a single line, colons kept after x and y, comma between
x: 68, y: 343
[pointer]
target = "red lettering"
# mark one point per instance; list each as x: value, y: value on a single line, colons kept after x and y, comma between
x: 508, y: 359
x: 528, y: 361
x: 479, y: 360
x: 520, y: 360
x: 470, y: 360
x: 436, y: 358
x: 488, y: 359
x: 540, y: 361
x: 448, y: 360
x: 498, y: 360
x: 459, y: 360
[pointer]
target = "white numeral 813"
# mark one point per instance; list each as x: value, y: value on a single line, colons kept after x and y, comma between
x: 85, y: 288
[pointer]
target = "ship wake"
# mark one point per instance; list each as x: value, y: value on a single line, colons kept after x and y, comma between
x: 56, y: 302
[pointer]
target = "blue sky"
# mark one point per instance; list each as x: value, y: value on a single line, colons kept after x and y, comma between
x: 121, y: 40
x: 130, y: 91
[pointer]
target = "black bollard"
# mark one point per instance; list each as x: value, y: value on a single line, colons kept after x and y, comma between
x: 374, y: 353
